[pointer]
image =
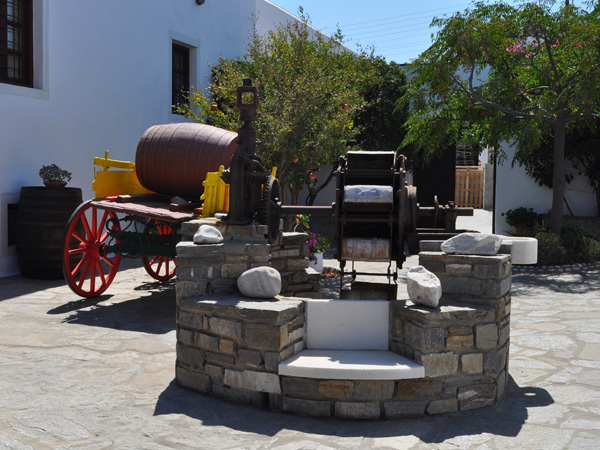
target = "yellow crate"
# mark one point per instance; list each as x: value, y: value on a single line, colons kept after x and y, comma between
x: 109, y: 183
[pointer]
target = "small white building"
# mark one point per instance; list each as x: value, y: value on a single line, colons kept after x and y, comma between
x: 78, y: 77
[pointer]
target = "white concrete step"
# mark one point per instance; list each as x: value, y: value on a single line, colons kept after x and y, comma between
x: 347, y: 324
x: 350, y: 365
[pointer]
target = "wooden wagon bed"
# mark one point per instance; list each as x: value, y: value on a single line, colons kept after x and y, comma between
x: 148, y: 206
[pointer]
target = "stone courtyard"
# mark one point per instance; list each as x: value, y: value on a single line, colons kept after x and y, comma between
x: 99, y: 374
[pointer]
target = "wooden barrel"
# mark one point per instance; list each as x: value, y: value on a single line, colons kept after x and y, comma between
x: 41, y: 219
x: 174, y: 159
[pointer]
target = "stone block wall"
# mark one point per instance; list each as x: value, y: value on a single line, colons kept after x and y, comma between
x: 230, y: 348
x: 289, y: 258
x: 215, y: 268
x: 463, y: 344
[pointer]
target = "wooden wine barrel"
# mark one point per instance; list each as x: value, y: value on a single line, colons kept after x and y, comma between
x: 174, y: 159
x: 41, y: 219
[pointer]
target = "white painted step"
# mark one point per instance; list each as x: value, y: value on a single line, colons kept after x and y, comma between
x: 350, y: 365
x: 347, y: 324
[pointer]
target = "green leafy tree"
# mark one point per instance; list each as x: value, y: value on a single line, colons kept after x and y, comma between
x: 498, y: 72
x: 308, y: 87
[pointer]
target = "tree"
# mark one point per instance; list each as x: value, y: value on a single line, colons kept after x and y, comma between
x: 581, y: 148
x: 308, y: 93
x: 498, y: 72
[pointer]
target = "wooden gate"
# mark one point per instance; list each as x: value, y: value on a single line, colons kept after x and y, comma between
x: 469, y: 186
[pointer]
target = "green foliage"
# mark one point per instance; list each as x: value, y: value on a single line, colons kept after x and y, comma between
x: 573, y: 245
x: 308, y: 90
x: 54, y: 173
x: 381, y: 117
x: 498, y: 72
x: 521, y: 216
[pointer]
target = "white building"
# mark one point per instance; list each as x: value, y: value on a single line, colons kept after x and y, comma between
x: 101, y: 74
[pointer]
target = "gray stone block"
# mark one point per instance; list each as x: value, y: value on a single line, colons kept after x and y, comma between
x: 316, y: 408
x: 225, y: 327
x: 206, y: 342
x: 357, y: 410
x: 486, y: 336
x: 251, y: 380
x: 439, y: 364
x: 249, y: 358
x: 477, y: 396
x: 193, y: 380
x: 190, y: 320
x: 495, y: 362
x: 445, y: 406
x: 190, y: 357
x: 419, y: 388
x: 424, y: 338
x: 471, y: 363
x: 298, y: 386
x: 398, y: 409
x: 265, y: 337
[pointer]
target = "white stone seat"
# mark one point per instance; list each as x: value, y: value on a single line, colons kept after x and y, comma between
x: 350, y: 365
x: 349, y: 340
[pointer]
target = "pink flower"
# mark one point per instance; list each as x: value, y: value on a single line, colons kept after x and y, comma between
x: 529, y: 54
x: 578, y: 45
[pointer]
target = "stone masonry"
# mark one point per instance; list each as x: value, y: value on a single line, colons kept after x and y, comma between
x: 230, y: 347
x: 215, y: 268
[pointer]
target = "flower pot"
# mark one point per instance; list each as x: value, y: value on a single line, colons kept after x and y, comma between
x: 55, y: 184
x: 318, y: 263
x: 41, y: 219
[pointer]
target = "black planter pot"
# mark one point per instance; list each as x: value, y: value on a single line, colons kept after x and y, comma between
x: 41, y: 219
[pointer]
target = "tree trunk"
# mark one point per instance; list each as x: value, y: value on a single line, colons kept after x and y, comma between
x: 558, y: 174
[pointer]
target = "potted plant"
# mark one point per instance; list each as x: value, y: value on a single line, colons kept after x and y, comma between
x: 54, y: 177
x: 523, y: 219
x: 317, y: 244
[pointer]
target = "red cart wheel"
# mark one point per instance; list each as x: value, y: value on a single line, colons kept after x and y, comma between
x: 87, y: 266
x: 159, y: 267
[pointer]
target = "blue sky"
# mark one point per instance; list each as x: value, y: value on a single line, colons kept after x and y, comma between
x: 399, y: 29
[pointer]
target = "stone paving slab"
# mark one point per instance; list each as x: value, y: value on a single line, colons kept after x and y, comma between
x: 99, y: 374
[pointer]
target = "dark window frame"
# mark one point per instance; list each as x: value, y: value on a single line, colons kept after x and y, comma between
x: 180, y: 74
x: 21, y: 50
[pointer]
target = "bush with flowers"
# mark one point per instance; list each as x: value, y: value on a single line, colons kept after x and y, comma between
x: 316, y: 243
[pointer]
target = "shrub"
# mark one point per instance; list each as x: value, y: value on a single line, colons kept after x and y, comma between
x: 550, y: 249
x: 574, y: 245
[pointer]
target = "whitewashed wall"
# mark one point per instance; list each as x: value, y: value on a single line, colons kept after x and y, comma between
x: 514, y: 188
x: 103, y: 76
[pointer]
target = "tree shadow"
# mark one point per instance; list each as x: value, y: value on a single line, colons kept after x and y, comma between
x: 504, y: 419
x: 574, y: 282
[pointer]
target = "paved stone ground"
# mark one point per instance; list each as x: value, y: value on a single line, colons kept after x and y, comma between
x: 99, y: 374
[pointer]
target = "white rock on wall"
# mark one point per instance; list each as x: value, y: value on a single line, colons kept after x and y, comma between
x: 260, y: 282
x: 473, y: 244
x: 423, y: 286
x: 207, y: 234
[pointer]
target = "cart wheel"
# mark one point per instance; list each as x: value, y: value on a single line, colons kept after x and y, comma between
x: 159, y: 267
x: 87, y: 266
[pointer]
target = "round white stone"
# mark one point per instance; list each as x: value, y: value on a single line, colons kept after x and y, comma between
x: 260, y: 282
x: 207, y: 234
x: 423, y: 286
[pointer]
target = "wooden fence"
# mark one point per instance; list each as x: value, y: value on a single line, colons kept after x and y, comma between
x: 469, y: 186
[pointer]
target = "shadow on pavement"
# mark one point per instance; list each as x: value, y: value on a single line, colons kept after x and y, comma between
x: 504, y: 419
x: 576, y: 282
x: 16, y: 286
x: 152, y: 313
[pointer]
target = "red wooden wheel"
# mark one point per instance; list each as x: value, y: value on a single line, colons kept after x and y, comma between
x: 87, y: 266
x: 159, y: 267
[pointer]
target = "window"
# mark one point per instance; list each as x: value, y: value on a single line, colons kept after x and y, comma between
x: 16, y: 42
x: 181, y: 74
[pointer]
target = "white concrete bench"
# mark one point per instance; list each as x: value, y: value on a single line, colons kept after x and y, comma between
x: 349, y: 340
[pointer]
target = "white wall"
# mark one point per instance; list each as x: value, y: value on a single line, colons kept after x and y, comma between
x: 514, y: 188
x: 103, y: 77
